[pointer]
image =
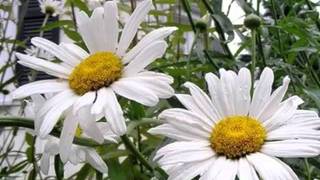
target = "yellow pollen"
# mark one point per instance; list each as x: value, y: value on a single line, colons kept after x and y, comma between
x: 236, y: 136
x: 78, y: 132
x: 98, y: 70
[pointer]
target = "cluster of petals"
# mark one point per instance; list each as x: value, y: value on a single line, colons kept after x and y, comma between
x: 290, y: 132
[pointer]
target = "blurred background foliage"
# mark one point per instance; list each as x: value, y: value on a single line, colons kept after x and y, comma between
x: 287, y: 41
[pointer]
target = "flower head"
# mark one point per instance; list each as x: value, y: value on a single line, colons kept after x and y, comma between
x: 88, y: 81
x: 231, y: 134
x: 48, y: 147
x: 51, y: 7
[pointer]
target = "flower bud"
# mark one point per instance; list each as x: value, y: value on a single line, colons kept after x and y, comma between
x: 252, y: 21
x: 201, y: 26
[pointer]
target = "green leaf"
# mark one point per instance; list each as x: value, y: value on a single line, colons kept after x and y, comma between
x: 57, y: 24
x: 72, y: 34
x: 18, y: 167
x: 225, y: 24
x: 314, y: 94
x: 58, y: 167
x: 136, y: 111
x: 84, y: 172
x: 81, y: 5
x: 116, y: 172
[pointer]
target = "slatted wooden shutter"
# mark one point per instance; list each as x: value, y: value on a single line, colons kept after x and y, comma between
x: 32, y: 21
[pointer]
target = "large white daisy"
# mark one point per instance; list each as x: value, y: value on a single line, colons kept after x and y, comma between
x: 93, y: 78
x: 231, y: 135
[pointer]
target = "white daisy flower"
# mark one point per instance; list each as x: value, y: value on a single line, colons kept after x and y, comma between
x: 92, y: 79
x: 51, y: 7
x: 49, y: 147
x: 231, y: 135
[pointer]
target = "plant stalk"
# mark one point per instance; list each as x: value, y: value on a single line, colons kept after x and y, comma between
x: 131, y: 147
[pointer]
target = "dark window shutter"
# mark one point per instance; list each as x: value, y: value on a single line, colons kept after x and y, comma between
x: 32, y: 21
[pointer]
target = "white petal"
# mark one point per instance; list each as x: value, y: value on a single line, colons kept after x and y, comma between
x: 292, y: 148
x: 243, y: 97
x: 70, y: 125
x: 246, y: 171
x: 56, y: 99
x: 203, y: 101
x: 273, y: 103
x: 100, y: 101
x: 75, y: 51
x: 108, y: 134
x: 40, y: 87
x: 93, y: 32
x: 45, y: 66
x: 51, y: 146
x: 96, y: 161
x: 53, y: 115
x: 111, y: 25
x: 156, y: 75
x: 185, y: 116
x: 132, y: 25
x: 82, y: 18
x: 89, y: 125
x: 76, y: 155
x: 45, y: 163
x: 85, y: 100
x: 147, y: 56
x: 305, y: 119
x: 180, y: 146
x: 135, y: 91
x: 217, y: 98
x: 270, y: 168
x: 190, y: 170
x: 229, y: 170
x: 54, y: 49
x: 229, y: 91
x: 184, y: 132
x: 114, y: 114
x: 289, y: 132
x: 158, y: 87
x: 261, y: 92
x: 284, y: 113
x: 188, y: 102
x: 186, y: 156
x: 155, y: 35
x: 214, y: 169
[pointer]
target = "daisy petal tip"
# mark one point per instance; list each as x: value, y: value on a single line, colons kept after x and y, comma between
x: 286, y: 80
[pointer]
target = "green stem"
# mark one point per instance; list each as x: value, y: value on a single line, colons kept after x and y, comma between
x: 28, y: 123
x: 219, y: 30
x: 186, y: 7
x: 253, y: 56
x: 74, y: 17
x: 306, y: 163
x: 130, y: 146
x: 275, y: 14
x: 45, y: 20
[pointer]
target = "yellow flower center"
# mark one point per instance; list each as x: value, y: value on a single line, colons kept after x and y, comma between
x: 98, y: 70
x: 78, y: 132
x: 236, y: 136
